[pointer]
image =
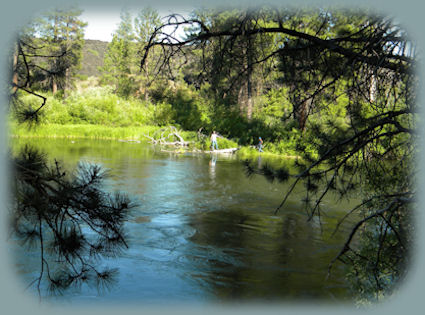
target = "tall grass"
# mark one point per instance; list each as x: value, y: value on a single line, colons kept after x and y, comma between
x: 81, y: 131
x: 108, y: 133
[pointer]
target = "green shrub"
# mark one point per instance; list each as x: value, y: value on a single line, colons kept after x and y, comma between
x: 164, y: 114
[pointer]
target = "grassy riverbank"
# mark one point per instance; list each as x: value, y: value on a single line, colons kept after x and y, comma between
x: 97, y: 132
x: 88, y: 131
x: 98, y: 113
x: 81, y: 131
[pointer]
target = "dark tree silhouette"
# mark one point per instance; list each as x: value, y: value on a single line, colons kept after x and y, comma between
x: 321, y: 55
x: 70, y: 217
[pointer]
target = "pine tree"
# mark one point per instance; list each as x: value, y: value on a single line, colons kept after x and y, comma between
x: 63, y: 33
x: 69, y: 218
x: 120, y: 63
x: 145, y: 24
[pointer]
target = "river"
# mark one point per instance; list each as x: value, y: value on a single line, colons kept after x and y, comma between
x: 203, y: 232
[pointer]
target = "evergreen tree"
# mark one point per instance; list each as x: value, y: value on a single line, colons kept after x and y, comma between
x: 145, y: 24
x: 63, y: 33
x: 69, y: 218
x: 46, y: 55
x: 120, y: 63
x: 230, y: 64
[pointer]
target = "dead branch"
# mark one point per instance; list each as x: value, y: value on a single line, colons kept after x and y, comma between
x: 393, y: 206
x: 166, y: 134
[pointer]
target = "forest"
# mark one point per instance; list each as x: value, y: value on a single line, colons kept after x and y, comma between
x: 334, y: 90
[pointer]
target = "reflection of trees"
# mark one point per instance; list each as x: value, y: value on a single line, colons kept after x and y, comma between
x: 260, y: 256
x: 358, y: 61
x: 70, y: 219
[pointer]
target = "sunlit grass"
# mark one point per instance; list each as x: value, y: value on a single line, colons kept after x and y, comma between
x: 81, y: 131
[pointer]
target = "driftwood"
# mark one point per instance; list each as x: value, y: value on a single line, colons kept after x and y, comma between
x: 227, y: 151
x: 129, y: 140
x: 165, y: 137
x: 222, y: 151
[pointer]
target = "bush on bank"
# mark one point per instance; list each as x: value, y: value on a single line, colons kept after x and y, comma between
x: 96, y: 112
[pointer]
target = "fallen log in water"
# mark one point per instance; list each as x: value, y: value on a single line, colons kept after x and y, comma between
x: 163, y: 139
x: 129, y: 140
x: 168, y: 133
x: 222, y: 151
x: 229, y: 150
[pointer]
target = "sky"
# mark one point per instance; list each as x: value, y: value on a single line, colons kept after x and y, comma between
x: 103, y: 23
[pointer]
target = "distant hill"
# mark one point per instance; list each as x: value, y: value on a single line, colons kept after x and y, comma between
x: 93, y: 53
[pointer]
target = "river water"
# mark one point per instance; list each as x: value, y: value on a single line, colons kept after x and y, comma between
x: 204, y: 231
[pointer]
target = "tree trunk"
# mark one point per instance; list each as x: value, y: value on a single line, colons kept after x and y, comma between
x: 67, y: 71
x: 67, y: 84
x: 301, y: 113
x: 55, y: 40
x: 372, y: 88
x: 242, y: 98
x: 245, y: 98
x: 15, y: 70
x: 54, y: 86
x: 249, y: 103
x: 147, y: 81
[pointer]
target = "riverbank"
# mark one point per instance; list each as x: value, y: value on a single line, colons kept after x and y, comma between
x: 84, y: 131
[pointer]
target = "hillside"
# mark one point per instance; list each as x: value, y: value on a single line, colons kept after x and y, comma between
x: 93, y: 53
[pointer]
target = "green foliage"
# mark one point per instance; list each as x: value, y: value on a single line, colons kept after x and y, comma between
x: 276, y: 105
x: 93, y: 52
x: 119, y: 63
x: 58, y: 32
x: 92, y: 57
x: 82, y: 131
x: 222, y: 143
x: 94, y: 106
x: 122, y: 58
x: 191, y: 111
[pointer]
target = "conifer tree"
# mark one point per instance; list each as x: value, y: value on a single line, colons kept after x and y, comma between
x: 145, y: 23
x: 63, y: 32
x: 69, y: 218
x: 120, y: 63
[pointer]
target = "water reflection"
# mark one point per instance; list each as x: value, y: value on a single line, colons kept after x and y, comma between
x: 260, y: 256
x: 205, y: 232
x: 212, y: 163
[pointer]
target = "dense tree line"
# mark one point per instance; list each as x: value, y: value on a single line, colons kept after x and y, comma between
x: 120, y: 63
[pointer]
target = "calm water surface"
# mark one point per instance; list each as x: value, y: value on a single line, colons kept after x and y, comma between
x: 204, y: 231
